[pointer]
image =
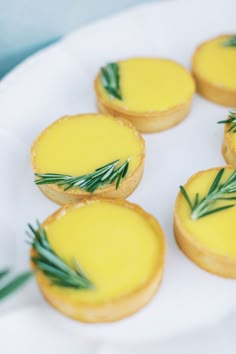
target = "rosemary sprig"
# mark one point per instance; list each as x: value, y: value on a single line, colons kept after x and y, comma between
x: 60, y: 273
x: 231, y: 42
x: 90, y: 182
x: 111, y: 80
x: 226, y: 191
x: 7, y: 286
x: 230, y: 120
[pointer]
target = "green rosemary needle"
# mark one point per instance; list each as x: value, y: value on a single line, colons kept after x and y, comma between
x: 231, y: 120
x: 7, y: 286
x: 45, y: 259
x: 110, y: 79
x: 201, y: 207
x: 107, y: 174
x: 231, y: 42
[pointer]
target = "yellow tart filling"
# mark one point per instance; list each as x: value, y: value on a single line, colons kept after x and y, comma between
x: 150, y: 85
x: 216, y: 63
x: 119, y: 250
x: 77, y: 145
x: 215, y: 231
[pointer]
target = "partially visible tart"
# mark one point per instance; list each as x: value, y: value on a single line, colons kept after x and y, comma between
x: 154, y: 94
x: 206, y: 233
x: 76, y: 146
x: 214, y: 69
x: 119, y: 247
x: 229, y: 143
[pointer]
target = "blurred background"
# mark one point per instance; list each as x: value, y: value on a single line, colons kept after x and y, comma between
x: 29, y: 25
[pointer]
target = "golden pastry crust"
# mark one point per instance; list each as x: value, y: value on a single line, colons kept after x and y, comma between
x: 215, y: 93
x: 126, y: 187
x: 117, y: 308
x: 228, y: 148
x: 205, y: 258
x: 145, y: 122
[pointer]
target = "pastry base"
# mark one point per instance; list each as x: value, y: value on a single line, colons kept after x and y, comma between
x: 116, y: 308
x: 228, y: 150
x: 206, y: 259
x: 215, y: 93
x: 126, y: 187
x: 145, y: 122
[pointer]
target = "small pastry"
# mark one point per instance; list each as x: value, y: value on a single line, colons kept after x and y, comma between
x: 205, y: 220
x: 89, y: 154
x: 229, y: 143
x: 98, y: 260
x: 154, y: 94
x: 214, y: 69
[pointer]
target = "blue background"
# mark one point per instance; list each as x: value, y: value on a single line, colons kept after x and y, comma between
x: 29, y: 25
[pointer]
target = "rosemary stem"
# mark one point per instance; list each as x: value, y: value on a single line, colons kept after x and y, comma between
x: 203, y: 205
x: 90, y: 182
x: 59, y: 272
x: 225, y: 191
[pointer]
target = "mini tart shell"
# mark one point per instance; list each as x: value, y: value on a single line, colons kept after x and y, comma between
x: 145, y: 122
x: 126, y: 187
x: 228, y: 149
x: 222, y: 265
x: 215, y: 93
x: 117, y: 308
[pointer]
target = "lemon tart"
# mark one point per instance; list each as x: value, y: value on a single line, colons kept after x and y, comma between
x: 214, y: 68
x: 229, y: 142
x: 90, y: 154
x: 205, y: 220
x: 115, y: 247
x: 154, y: 94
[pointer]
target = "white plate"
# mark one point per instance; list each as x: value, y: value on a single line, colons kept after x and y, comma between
x: 58, y: 81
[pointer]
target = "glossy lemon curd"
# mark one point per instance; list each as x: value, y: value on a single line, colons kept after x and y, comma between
x: 216, y: 231
x: 116, y: 247
x: 78, y: 145
x: 217, y: 63
x: 149, y: 84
